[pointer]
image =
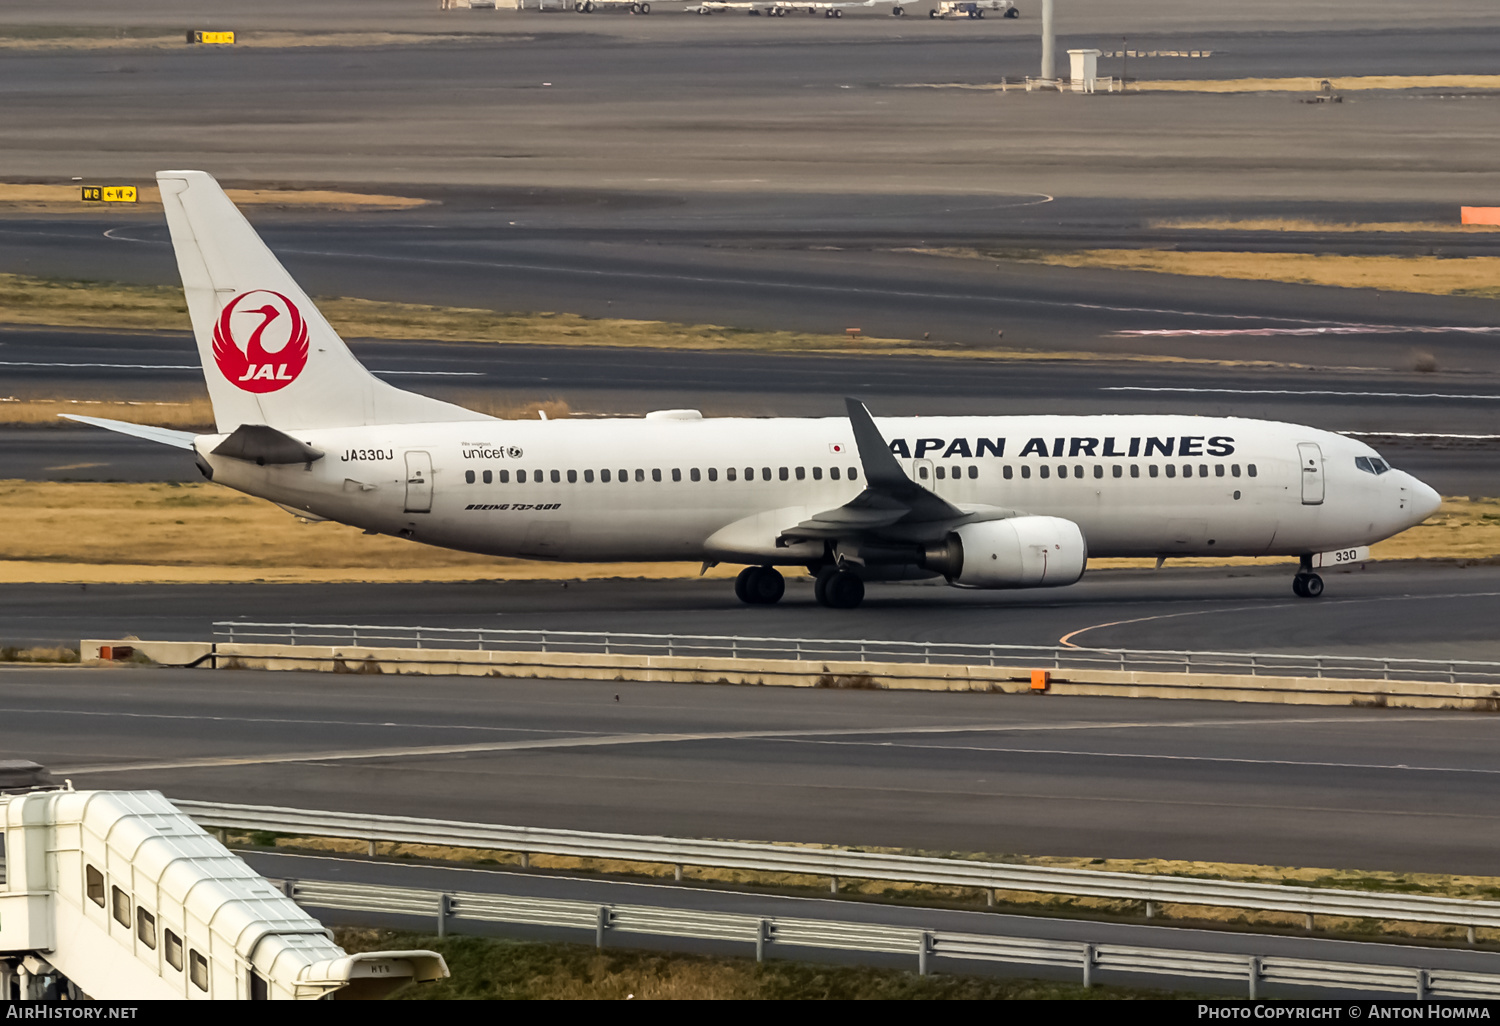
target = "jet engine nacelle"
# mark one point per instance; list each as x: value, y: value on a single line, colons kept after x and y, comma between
x: 1022, y: 552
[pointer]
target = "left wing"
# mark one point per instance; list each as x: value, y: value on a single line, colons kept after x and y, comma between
x: 892, y: 506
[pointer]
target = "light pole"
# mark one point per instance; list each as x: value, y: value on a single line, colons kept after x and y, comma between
x: 1049, y: 43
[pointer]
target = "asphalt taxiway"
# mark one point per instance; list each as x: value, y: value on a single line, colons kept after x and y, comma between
x: 1336, y: 787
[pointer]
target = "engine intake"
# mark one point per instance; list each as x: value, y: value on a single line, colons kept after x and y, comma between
x: 1022, y: 552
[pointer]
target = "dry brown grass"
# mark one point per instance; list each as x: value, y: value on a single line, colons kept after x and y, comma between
x: 1448, y: 885
x: 1301, y: 224
x: 197, y: 414
x: 106, y: 532
x: 22, y: 198
x: 1354, y: 83
x: 107, y: 39
x: 42, y: 301
x: 1440, y: 276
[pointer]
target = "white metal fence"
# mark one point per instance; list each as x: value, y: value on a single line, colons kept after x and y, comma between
x: 836, y: 864
x: 768, y: 934
x: 1276, y: 664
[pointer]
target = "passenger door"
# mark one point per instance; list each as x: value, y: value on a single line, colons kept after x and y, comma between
x: 1311, y: 458
x: 418, y: 482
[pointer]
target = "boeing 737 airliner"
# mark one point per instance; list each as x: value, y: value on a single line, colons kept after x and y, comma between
x: 985, y: 502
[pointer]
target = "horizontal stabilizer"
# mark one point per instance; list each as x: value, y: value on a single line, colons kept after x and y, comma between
x: 166, y: 436
x: 262, y: 444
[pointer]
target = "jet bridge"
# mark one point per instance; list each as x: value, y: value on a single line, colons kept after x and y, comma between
x: 117, y: 895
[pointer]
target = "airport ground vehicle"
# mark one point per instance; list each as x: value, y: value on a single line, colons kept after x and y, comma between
x: 974, y: 9
x: 983, y: 502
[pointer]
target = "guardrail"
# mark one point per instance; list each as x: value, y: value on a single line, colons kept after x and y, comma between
x: 1255, y: 664
x: 768, y: 933
x: 836, y: 864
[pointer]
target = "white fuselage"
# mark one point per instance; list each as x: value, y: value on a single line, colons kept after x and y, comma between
x: 724, y: 489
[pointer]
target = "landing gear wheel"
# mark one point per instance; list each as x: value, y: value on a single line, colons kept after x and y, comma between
x: 1013, y: 13
x: 844, y: 590
x: 898, y: 11
x: 1307, y: 585
x: 932, y: 14
x: 820, y: 583
x: 645, y: 8
x: 759, y: 586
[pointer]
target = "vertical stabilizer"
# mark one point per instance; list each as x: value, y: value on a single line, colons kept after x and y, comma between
x: 268, y: 355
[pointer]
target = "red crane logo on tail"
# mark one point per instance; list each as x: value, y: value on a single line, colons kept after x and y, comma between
x: 274, y: 347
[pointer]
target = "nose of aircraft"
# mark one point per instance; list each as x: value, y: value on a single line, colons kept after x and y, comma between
x: 1424, y: 500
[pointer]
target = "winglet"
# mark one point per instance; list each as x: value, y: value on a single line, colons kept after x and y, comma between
x: 881, y: 468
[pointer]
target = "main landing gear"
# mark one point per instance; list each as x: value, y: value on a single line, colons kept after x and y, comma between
x: 759, y: 586
x: 1307, y: 584
x: 838, y: 589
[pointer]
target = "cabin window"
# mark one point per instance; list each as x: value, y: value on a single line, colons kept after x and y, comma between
x: 1117, y: 470
x: 604, y: 477
x: 1153, y: 470
x: 817, y: 473
x: 468, y: 477
x: 1187, y: 470
x: 93, y: 883
x: 833, y: 473
x: 750, y: 474
x: 1025, y: 473
x: 695, y: 474
x: 1062, y: 471
x: 922, y: 472
x: 1234, y: 471
x: 504, y: 477
x: 973, y: 472
x: 782, y: 473
x: 172, y: 949
x: 489, y: 476
x: 198, y: 970
x: 729, y: 474
x: 942, y: 473
x: 765, y: 473
x: 145, y: 927
x: 1043, y: 472
x: 1171, y: 470
x: 957, y: 472
x: 1250, y: 469
x: 854, y: 473
x: 121, y: 906
x: 538, y: 476
x: 1077, y: 470
x: 713, y: 474
x: 556, y: 477
x: 1203, y: 470
x: 1006, y: 472
x: 801, y: 473
x: 640, y: 475
x: 1218, y: 470
x: 572, y: 477
x: 520, y: 477
x: 1098, y: 471
x: 588, y: 476
x: 656, y: 474
x: 676, y: 474
x: 1135, y: 471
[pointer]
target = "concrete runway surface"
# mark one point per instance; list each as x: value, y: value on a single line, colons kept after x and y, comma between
x: 1307, y: 786
x: 1416, y: 610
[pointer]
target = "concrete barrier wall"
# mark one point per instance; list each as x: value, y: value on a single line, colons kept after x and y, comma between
x: 822, y: 673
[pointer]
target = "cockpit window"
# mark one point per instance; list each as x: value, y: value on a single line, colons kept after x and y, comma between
x: 1371, y: 464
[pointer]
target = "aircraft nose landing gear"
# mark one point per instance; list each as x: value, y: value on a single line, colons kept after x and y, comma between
x: 1307, y: 584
